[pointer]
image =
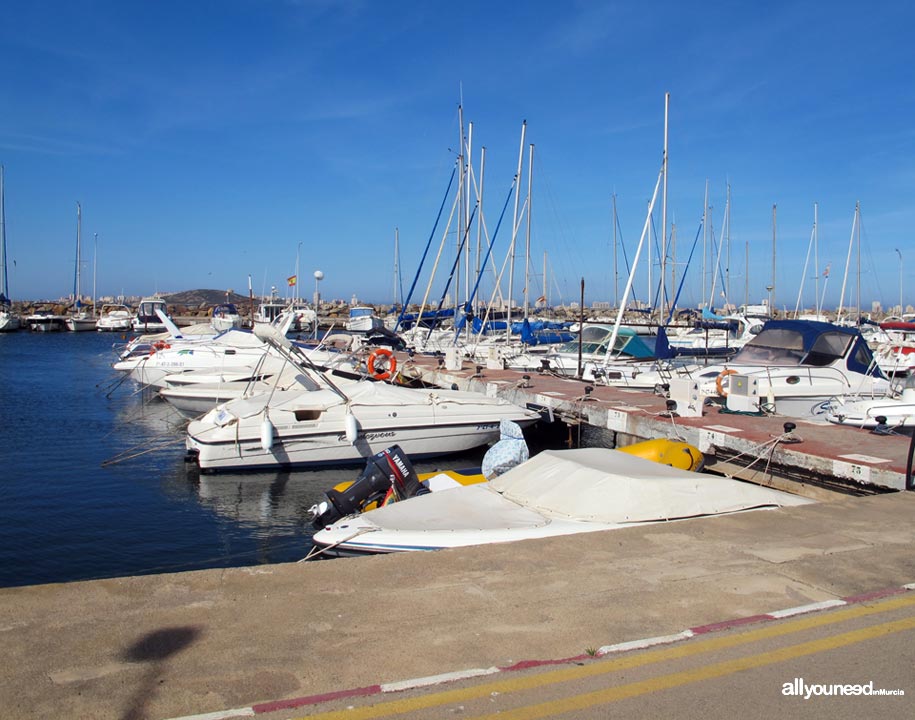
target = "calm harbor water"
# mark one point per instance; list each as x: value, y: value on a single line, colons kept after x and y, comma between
x: 68, y: 513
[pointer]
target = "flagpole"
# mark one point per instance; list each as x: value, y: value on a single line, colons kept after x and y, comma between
x: 295, y: 293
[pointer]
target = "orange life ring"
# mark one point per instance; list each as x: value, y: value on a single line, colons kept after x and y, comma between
x: 159, y: 345
x: 388, y: 364
x: 721, y: 376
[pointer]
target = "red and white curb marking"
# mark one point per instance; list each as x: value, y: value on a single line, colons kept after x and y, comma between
x: 431, y: 680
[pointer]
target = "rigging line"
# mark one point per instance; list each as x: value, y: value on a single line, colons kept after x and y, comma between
x: 457, y: 259
x: 683, y: 276
x: 469, y: 304
x: 438, y: 218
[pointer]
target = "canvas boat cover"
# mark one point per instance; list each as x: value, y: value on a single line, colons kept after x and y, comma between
x: 594, y: 485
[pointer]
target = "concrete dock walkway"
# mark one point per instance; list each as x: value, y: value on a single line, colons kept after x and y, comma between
x: 175, y: 645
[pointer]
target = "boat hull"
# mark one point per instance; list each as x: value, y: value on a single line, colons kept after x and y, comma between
x: 8, y: 322
x: 80, y: 324
x: 331, y: 447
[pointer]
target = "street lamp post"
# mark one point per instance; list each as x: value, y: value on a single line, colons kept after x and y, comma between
x: 319, y: 276
x: 901, y: 310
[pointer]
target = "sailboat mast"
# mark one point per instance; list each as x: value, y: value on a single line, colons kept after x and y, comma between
x: 478, y: 269
x: 94, y: 272
x: 4, y: 280
x: 76, y: 287
x: 704, y: 240
x: 616, y: 273
x: 816, y: 263
x: 467, y: 191
x: 546, y: 290
x: 462, y: 218
x: 727, y: 262
x: 527, y: 239
x: 662, y: 298
x: 396, y: 266
x: 858, y: 281
x: 851, y: 241
x: 746, y: 276
x: 772, y: 291
x: 511, y: 262
x: 673, y: 264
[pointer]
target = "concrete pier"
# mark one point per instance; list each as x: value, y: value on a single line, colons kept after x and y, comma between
x: 236, y: 641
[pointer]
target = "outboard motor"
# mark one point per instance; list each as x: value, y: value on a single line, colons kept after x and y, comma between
x: 388, y: 470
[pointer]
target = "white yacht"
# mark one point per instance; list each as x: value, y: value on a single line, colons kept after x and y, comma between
x: 114, y: 317
x: 319, y: 423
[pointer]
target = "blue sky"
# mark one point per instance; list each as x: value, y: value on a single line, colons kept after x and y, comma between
x: 206, y: 139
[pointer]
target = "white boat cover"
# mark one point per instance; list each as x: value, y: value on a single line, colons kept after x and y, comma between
x: 587, y: 485
x: 594, y: 485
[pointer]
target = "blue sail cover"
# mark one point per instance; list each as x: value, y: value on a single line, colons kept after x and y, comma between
x: 543, y: 336
x: 537, y: 326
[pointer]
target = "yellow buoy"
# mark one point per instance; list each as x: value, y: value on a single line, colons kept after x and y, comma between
x: 667, y: 452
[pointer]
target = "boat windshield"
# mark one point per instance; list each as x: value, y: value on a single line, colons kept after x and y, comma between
x: 782, y: 346
x: 596, y: 340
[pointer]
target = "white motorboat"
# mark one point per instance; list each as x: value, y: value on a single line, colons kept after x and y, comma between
x: 592, y: 347
x: 316, y: 423
x: 557, y: 492
x: 362, y: 319
x: 225, y: 317
x: 81, y: 322
x: 194, y: 393
x: 9, y: 321
x: 147, y: 320
x: 151, y: 363
x: 114, y: 317
x: 895, y: 410
x: 46, y: 321
x: 794, y: 367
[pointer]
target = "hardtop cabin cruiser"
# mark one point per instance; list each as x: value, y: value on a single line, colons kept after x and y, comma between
x: 147, y: 320
x: 318, y: 423
x: 362, y: 319
x: 557, y: 492
x: 225, y: 317
x: 793, y: 367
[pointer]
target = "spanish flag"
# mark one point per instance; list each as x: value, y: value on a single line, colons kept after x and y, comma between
x: 292, y: 280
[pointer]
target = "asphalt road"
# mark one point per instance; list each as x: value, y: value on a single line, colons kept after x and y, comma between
x: 763, y: 670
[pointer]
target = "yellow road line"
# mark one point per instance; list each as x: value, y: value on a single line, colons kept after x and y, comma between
x: 708, y: 672
x: 605, y: 667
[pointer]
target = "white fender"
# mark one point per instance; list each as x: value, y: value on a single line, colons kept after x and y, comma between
x: 352, y: 427
x: 267, y: 431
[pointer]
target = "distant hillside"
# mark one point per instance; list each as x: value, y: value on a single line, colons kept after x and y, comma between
x: 192, y: 298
